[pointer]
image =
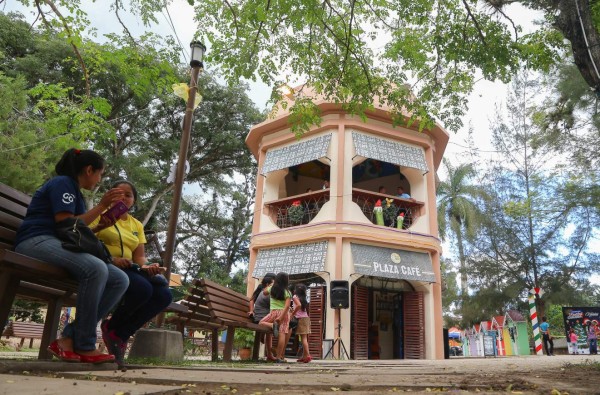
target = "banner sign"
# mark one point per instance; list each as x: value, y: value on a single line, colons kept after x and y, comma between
x: 294, y: 259
x: 391, y: 263
x: 489, y: 348
x: 579, y: 319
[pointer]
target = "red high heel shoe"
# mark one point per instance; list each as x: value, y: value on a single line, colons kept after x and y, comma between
x: 68, y: 356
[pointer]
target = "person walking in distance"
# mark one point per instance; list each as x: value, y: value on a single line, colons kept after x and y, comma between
x: 547, y: 337
x: 300, y: 312
x: 279, y: 317
x: 593, y: 337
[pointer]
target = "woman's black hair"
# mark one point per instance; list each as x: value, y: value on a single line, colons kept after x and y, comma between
x: 300, y: 292
x: 266, y: 281
x: 74, y: 161
x: 280, y: 286
x: 133, y: 189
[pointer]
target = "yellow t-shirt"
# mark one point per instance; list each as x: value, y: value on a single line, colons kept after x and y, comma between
x: 129, y: 231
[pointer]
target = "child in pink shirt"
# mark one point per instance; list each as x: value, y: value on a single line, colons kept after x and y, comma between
x: 573, y: 340
x: 301, y: 313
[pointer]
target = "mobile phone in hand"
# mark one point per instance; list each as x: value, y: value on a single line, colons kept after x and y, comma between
x: 113, y: 213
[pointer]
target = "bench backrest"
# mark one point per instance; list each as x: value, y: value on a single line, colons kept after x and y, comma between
x: 225, y: 304
x: 13, y: 207
x: 25, y: 329
x: 40, y: 276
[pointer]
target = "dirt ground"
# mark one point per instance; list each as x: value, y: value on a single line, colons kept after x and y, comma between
x: 513, y: 375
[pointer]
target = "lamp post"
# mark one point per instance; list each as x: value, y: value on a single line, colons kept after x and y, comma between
x: 198, y: 50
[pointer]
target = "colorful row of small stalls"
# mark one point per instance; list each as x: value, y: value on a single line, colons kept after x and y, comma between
x: 509, y: 334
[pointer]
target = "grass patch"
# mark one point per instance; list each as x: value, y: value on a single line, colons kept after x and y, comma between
x: 588, y: 365
x: 186, y: 363
x: 157, y: 362
x: 6, y: 346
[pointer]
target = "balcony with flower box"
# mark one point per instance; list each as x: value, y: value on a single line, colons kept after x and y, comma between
x: 391, y: 208
x: 297, y: 210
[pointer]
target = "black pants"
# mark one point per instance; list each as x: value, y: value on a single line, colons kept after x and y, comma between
x: 547, y: 339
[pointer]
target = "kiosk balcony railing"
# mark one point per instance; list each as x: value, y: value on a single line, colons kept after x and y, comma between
x: 366, y: 200
x: 297, y: 210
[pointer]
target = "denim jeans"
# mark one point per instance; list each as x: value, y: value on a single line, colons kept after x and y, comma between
x: 100, y: 285
x: 593, y: 346
x: 141, y: 302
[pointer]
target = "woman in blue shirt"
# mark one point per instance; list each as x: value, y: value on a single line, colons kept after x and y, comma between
x: 101, y: 285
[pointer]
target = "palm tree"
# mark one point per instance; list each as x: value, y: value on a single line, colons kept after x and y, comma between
x: 458, y: 210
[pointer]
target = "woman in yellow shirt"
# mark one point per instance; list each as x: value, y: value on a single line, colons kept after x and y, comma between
x: 148, y: 294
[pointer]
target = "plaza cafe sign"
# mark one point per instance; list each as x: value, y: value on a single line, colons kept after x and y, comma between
x: 392, y: 263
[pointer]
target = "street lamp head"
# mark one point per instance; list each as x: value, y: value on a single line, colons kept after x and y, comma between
x: 198, y: 50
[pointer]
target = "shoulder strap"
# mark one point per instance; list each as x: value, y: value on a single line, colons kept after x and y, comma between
x: 120, y: 238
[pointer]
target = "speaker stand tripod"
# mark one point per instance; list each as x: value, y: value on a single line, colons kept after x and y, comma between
x: 340, y: 343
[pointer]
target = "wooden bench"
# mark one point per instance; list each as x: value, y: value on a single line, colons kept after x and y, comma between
x: 29, y: 278
x: 215, y: 307
x: 24, y: 330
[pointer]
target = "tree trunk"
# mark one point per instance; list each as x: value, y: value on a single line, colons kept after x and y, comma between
x: 463, y: 261
x: 575, y: 23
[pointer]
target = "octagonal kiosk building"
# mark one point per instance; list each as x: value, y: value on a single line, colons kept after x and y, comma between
x: 329, y: 211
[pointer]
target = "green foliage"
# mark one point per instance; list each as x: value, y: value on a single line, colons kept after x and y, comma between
x: 535, y: 231
x: 28, y: 142
x: 134, y: 121
x: 41, y: 114
x: 390, y: 211
x: 457, y: 209
x: 295, y: 213
x: 483, y: 305
x: 555, y: 319
x: 450, y: 293
x: 595, y: 11
x: 419, y: 58
x: 243, y: 338
x: 25, y: 310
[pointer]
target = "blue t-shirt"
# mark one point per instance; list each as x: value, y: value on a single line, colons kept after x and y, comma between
x: 544, y: 327
x: 404, y: 196
x: 59, y: 194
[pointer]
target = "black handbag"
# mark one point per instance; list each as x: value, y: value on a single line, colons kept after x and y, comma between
x: 78, y: 237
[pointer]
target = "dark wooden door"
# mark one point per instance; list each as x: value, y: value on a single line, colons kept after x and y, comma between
x: 359, y: 349
x: 414, y: 325
x: 398, y: 327
x: 316, y: 312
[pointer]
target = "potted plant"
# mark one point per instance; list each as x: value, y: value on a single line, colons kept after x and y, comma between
x: 295, y: 212
x: 390, y: 211
x: 243, y: 340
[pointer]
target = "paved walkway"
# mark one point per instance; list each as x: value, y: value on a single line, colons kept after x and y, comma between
x: 518, y: 375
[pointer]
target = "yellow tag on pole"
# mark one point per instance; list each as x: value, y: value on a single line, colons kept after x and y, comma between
x: 182, y: 90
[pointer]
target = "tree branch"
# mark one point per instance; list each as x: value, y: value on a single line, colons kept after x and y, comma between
x: 260, y: 27
x: 342, y: 42
x: 117, y: 6
x: 70, y: 35
x: 235, y: 21
x: 154, y: 204
x: 475, y: 22
x: 348, y: 37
